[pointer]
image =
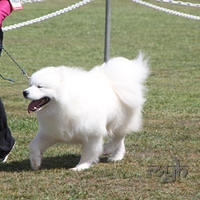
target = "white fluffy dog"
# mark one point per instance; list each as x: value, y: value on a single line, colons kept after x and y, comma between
x: 82, y: 107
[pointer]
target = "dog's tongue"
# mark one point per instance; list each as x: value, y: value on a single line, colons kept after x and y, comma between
x: 36, y: 104
x: 33, y: 106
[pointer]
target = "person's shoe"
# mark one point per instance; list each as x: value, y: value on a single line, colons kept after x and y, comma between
x: 4, y: 159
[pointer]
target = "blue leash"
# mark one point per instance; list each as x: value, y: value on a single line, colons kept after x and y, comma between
x: 24, y: 73
x: 7, y: 79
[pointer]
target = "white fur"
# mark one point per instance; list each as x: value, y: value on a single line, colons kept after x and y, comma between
x: 87, y: 106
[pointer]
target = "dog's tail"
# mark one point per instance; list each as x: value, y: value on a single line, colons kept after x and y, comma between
x: 127, y: 78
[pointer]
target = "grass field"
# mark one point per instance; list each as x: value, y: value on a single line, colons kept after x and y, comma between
x: 171, y: 113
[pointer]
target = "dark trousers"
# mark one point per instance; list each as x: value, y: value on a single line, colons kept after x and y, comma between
x: 6, y: 139
x: 1, y: 40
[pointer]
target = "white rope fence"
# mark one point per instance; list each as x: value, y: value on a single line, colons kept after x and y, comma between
x: 180, y: 3
x: 173, y: 12
x: 30, y: 1
x: 54, y: 14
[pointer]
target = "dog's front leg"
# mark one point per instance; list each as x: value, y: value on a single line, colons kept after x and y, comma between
x: 37, y: 146
x: 92, y: 149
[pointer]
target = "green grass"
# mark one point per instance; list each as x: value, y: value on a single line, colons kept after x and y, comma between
x: 171, y: 113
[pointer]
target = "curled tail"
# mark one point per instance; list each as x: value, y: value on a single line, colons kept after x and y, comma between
x: 127, y: 78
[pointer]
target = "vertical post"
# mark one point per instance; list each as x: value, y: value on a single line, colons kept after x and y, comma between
x: 107, y: 32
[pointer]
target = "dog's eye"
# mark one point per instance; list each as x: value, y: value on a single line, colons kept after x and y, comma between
x: 39, y: 86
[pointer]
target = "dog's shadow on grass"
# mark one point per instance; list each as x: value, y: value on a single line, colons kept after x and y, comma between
x: 57, y: 162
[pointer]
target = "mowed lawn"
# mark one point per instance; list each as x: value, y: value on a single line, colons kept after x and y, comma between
x: 171, y: 125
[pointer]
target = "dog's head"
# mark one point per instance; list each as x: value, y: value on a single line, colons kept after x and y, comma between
x: 42, y: 89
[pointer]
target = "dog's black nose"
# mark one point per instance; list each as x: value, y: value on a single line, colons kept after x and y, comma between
x: 25, y: 93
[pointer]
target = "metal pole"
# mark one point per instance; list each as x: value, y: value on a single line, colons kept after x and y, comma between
x: 107, y: 32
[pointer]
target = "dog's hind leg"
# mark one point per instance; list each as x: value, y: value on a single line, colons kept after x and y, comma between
x: 92, y: 149
x: 116, y: 148
x: 37, y: 146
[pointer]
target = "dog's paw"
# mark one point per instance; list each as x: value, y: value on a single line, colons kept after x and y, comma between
x: 35, y: 163
x: 116, y: 157
x: 81, y: 167
x: 35, y: 167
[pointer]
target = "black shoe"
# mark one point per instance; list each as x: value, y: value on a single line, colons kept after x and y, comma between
x: 4, y: 159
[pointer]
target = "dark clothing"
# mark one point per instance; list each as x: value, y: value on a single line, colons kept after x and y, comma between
x: 1, y: 40
x: 6, y: 139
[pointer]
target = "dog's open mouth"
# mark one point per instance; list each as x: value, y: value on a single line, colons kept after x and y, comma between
x: 36, y: 105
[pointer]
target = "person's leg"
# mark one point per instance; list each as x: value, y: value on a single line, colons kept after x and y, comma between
x: 6, y: 139
x: 1, y: 40
x: 5, y: 10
